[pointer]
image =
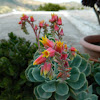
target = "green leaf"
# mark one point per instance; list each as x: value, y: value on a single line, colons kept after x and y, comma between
x: 87, y: 99
x: 75, y: 73
x: 82, y: 96
x: 90, y: 89
x: 42, y: 93
x: 30, y: 76
x: 94, y: 97
x: 49, y: 87
x: 76, y: 61
x: 88, y: 70
x: 78, y: 84
x: 98, y: 90
x: 37, y: 95
x: 97, y: 77
x: 83, y: 65
x: 36, y: 55
x: 59, y: 97
x: 30, y: 66
x: 62, y: 89
x: 36, y: 74
x: 86, y: 56
x: 95, y: 70
x: 83, y: 88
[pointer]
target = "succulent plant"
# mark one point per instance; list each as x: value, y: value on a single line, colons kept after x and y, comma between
x: 96, y: 78
x: 76, y: 86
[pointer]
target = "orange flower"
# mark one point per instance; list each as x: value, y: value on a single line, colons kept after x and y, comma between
x: 65, y: 47
x: 73, y: 49
x: 36, y: 28
x: 46, y: 42
x: 20, y: 22
x: 32, y: 19
x: 41, y: 24
x: 59, y: 22
x: 64, y: 56
x: 60, y: 75
x: 46, y: 68
x: 39, y: 60
x: 24, y: 17
x: 56, y: 27
x: 54, y: 18
x: 48, y: 53
x: 59, y: 46
x: 61, y: 32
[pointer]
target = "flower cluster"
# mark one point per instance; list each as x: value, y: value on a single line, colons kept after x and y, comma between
x: 55, y: 52
x: 55, y: 26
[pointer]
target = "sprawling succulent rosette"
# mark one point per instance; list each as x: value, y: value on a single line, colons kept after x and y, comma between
x: 59, y: 71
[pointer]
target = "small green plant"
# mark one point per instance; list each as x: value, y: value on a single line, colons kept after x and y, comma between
x: 15, y: 54
x: 51, y: 7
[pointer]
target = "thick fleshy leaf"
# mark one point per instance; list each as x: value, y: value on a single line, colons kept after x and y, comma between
x: 36, y: 55
x: 86, y: 56
x: 94, y: 97
x: 42, y: 93
x: 97, y: 77
x: 88, y: 70
x: 37, y: 95
x: 59, y: 97
x: 90, y: 89
x: 30, y: 76
x: 75, y: 73
x: 87, y: 99
x: 62, y: 89
x: 76, y: 61
x: 83, y: 88
x: 78, y: 84
x: 83, y: 65
x: 36, y: 74
x: 49, y: 87
x: 98, y: 90
x: 82, y: 96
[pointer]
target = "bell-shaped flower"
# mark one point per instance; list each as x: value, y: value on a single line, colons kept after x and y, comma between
x: 73, y: 49
x: 41, y: 24
x: 50, y: 75
x: 48, y: 53
x: 20, y: 22
x: 24, y: 17
x: 39, y: 60
x: 64, y: 56
x: 59, y: 22
x: 66, y: 64
x: 46, y: 68
x: 36, y: 28
x: 65, y: 47
x: 32, y: 19
x: 56, y: 27
x: 61, y: 32
x: 54, y: 18
x: 46, y: 42
x: 59, y: 46
x: 60, y: 74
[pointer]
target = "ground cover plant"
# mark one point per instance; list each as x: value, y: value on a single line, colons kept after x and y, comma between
x: 59, y: 71
x: 15, y: 54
